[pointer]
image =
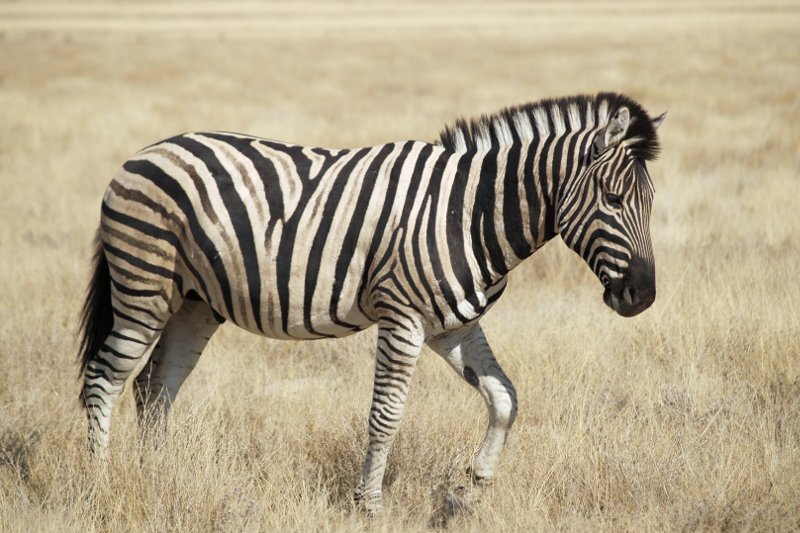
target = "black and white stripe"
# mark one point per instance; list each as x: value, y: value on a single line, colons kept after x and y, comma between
x: 297, y: 242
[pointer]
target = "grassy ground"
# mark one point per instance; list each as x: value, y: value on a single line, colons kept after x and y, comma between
x: 685, y: 418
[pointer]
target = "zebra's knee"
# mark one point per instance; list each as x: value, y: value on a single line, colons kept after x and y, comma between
x: 101, y: 379
x: 502, y: 399
x: 507, y: 412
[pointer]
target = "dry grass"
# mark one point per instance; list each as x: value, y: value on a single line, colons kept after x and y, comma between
x: 686, y: 418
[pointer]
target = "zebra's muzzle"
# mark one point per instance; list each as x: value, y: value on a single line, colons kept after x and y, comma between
x: 635, y: 292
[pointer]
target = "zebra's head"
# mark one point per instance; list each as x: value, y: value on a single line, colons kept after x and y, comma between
x: 604, y: 213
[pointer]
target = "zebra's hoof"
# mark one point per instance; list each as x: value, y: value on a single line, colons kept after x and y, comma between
x: 458, y: 501
x: 481, y: 481
x: 370, y: 505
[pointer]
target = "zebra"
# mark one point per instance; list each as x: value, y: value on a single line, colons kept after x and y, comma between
x: 298, y: 242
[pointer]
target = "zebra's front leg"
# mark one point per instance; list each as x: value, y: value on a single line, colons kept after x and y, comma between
x: 397, y: 355
x: 468, y: 352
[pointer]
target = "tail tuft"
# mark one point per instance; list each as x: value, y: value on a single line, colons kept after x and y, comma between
x: 97, y: 318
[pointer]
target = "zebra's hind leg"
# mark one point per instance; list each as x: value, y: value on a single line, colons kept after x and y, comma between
x: 398, y: 350
x: 174, y: 357
x: 468, y: 352
x: 107, y: 370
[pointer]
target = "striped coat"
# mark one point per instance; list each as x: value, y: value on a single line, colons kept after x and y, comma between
x: 296, y: 242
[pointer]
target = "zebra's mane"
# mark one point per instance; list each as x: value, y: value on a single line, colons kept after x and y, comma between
x: 523, y: 123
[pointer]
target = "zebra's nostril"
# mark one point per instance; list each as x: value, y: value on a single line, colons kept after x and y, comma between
x: 629, y: 293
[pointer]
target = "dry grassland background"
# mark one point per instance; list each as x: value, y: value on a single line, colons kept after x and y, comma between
x: 684, y: 418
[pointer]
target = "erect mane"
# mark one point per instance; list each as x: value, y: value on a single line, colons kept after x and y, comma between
x: 523, y: 123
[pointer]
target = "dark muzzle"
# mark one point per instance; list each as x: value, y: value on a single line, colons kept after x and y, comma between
x: 635, y: 292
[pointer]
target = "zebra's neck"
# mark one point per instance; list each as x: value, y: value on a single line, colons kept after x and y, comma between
x: 520, y: 161
x: 513, y: 212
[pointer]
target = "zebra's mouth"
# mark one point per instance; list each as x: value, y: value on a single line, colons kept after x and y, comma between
x: 635, y: 291
x: 624, y: 299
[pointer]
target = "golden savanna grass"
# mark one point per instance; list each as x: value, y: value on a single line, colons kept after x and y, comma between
x: 684, y: 418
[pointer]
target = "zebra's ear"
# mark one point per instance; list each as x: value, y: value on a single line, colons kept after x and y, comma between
x: 617, y: 127
x: 659, y: 120
x: 614, y: 131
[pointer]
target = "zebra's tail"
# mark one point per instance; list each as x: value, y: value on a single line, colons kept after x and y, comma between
x: 97, y: 318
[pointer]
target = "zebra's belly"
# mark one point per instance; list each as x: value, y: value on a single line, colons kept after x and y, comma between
x: 323, y: 326
x: 298, y: 300
x: 293, y: 321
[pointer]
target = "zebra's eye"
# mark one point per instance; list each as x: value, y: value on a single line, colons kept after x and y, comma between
x: 614, y: 200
